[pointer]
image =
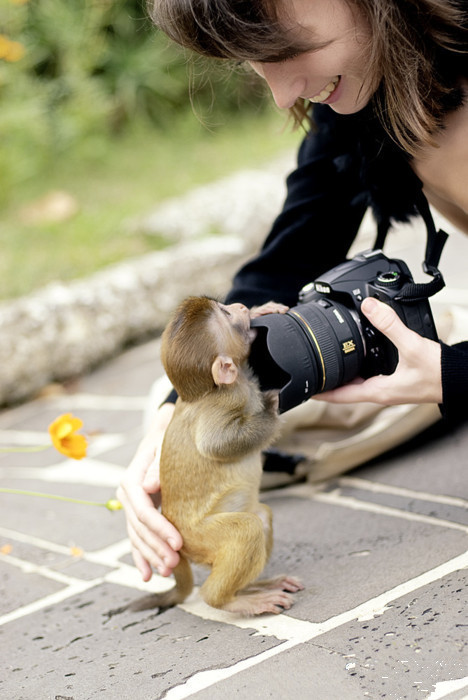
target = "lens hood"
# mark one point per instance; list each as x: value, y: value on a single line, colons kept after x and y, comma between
x: 281, y: 358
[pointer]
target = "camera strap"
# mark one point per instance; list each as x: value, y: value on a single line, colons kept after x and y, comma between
x: 413, y: 291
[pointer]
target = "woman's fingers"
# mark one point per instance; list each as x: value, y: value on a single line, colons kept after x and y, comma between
x: 417, y: 377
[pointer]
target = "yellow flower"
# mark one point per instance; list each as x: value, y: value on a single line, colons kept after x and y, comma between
x: 64, y: 438
x: 4, y: 45
x: 11, y: 51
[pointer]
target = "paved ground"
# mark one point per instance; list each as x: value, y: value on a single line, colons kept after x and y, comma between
x: 382, y: 554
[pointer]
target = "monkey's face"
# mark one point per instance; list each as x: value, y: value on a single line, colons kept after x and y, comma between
x: 235, y: 318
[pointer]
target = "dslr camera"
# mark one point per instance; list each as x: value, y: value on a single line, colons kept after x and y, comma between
x: 325, y: 341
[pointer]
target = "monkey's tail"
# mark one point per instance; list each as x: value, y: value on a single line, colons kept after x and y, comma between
x: 182, y: 589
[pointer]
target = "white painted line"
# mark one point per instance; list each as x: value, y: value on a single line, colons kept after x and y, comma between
x: 52, y: 599
x: 112, y: 441
x: 97, y: 444
x: 98, y: 402
x: 376, y: 487
x: 28, y: 567
x: 108, y: 556
x: 111, y: 554
x: 335, y: 499
x: 364, y: 611
x: 91, y: 472
x: 447, y: 688
x: 130, y: 577
x: 33, y: 540
x: 282, y: 627
x: 205, y: 679
x: 24, y: 437
x: 124, y: 575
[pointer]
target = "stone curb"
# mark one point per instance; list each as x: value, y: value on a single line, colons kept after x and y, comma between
x: 65, y: 329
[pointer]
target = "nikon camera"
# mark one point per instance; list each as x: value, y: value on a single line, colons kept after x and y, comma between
x: 325, y: 341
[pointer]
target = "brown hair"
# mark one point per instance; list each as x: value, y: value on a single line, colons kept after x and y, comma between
x: 191, y: 342
x: 415, y: 46
x: 188, y: 369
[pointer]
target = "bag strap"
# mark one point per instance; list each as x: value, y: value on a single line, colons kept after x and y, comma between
x: 435, y: 242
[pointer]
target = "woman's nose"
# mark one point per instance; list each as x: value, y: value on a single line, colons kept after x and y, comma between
x: 285, y: 87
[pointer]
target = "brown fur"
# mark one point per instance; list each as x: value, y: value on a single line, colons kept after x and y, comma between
x: 211, y: 466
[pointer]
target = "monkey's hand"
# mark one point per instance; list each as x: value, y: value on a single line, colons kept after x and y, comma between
x: 271, y: 307
x: 154, y: 539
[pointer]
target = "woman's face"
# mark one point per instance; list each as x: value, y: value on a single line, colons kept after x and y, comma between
x: 334, y: 71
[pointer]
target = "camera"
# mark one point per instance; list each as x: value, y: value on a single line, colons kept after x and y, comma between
x: 325, y: 341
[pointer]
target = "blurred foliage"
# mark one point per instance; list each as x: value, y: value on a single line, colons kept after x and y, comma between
x: 71, y: 70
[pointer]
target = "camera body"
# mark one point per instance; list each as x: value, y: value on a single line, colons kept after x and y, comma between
x: 325, y: 341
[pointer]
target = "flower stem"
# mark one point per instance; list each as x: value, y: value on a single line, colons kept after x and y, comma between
x: 110, y: 505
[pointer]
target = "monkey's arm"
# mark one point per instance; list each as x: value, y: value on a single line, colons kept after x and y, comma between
x: 231, y: 432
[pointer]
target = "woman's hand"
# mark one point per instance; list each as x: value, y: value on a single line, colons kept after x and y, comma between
x: 417, y: 378
x: 154, y: 539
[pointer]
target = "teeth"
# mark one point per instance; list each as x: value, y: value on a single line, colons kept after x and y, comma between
x: 326, y: 92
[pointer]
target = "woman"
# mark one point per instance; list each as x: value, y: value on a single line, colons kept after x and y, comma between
x: 388, y: 82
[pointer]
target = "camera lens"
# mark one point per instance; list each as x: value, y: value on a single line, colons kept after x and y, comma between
x: 314, y: 347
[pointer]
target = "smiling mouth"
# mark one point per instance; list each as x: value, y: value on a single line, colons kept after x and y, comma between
x: 327, y: 91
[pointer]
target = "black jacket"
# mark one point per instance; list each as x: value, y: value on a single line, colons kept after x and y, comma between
x: 345, y: 165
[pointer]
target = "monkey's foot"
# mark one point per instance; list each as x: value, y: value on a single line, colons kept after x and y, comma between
x: 282, y: 582
x: 286, y: 583
x: 264, y: 601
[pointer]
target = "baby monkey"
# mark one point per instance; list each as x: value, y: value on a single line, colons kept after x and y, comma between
x: 210, y: 466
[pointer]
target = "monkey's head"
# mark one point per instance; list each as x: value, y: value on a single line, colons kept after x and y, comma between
x: 205, y: 345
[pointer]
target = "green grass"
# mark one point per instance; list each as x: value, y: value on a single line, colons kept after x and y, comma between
x: 115, y: 180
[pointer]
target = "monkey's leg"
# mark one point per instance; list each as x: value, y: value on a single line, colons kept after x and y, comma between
x: 182, y: 589
x: 266, y: 516
x: 239, y: 556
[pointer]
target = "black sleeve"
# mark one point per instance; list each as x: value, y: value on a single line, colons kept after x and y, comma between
x: 455, y: 382
x: 321, y: 216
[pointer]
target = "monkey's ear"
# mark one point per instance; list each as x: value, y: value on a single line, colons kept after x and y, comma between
x: 224, y: 370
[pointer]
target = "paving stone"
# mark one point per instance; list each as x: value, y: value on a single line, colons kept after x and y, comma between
x: 419, y: 641
x: 21, y: 413
x: 129, y: 374
x: 75, y: 649
x: 304, y: 672
x: 411, y: 504
x: 400, y: 655
x: 429, y: 463
x: 64, y: 523
x: 345, y: 557
x: 79, y: 649
x: 69, y: 563
x: 18, y: 588
x: 29, y: 460
x: 121, y: 455
x: 95, y: 421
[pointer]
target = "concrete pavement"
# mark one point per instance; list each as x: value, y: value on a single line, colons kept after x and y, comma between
x: 382, y: 552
